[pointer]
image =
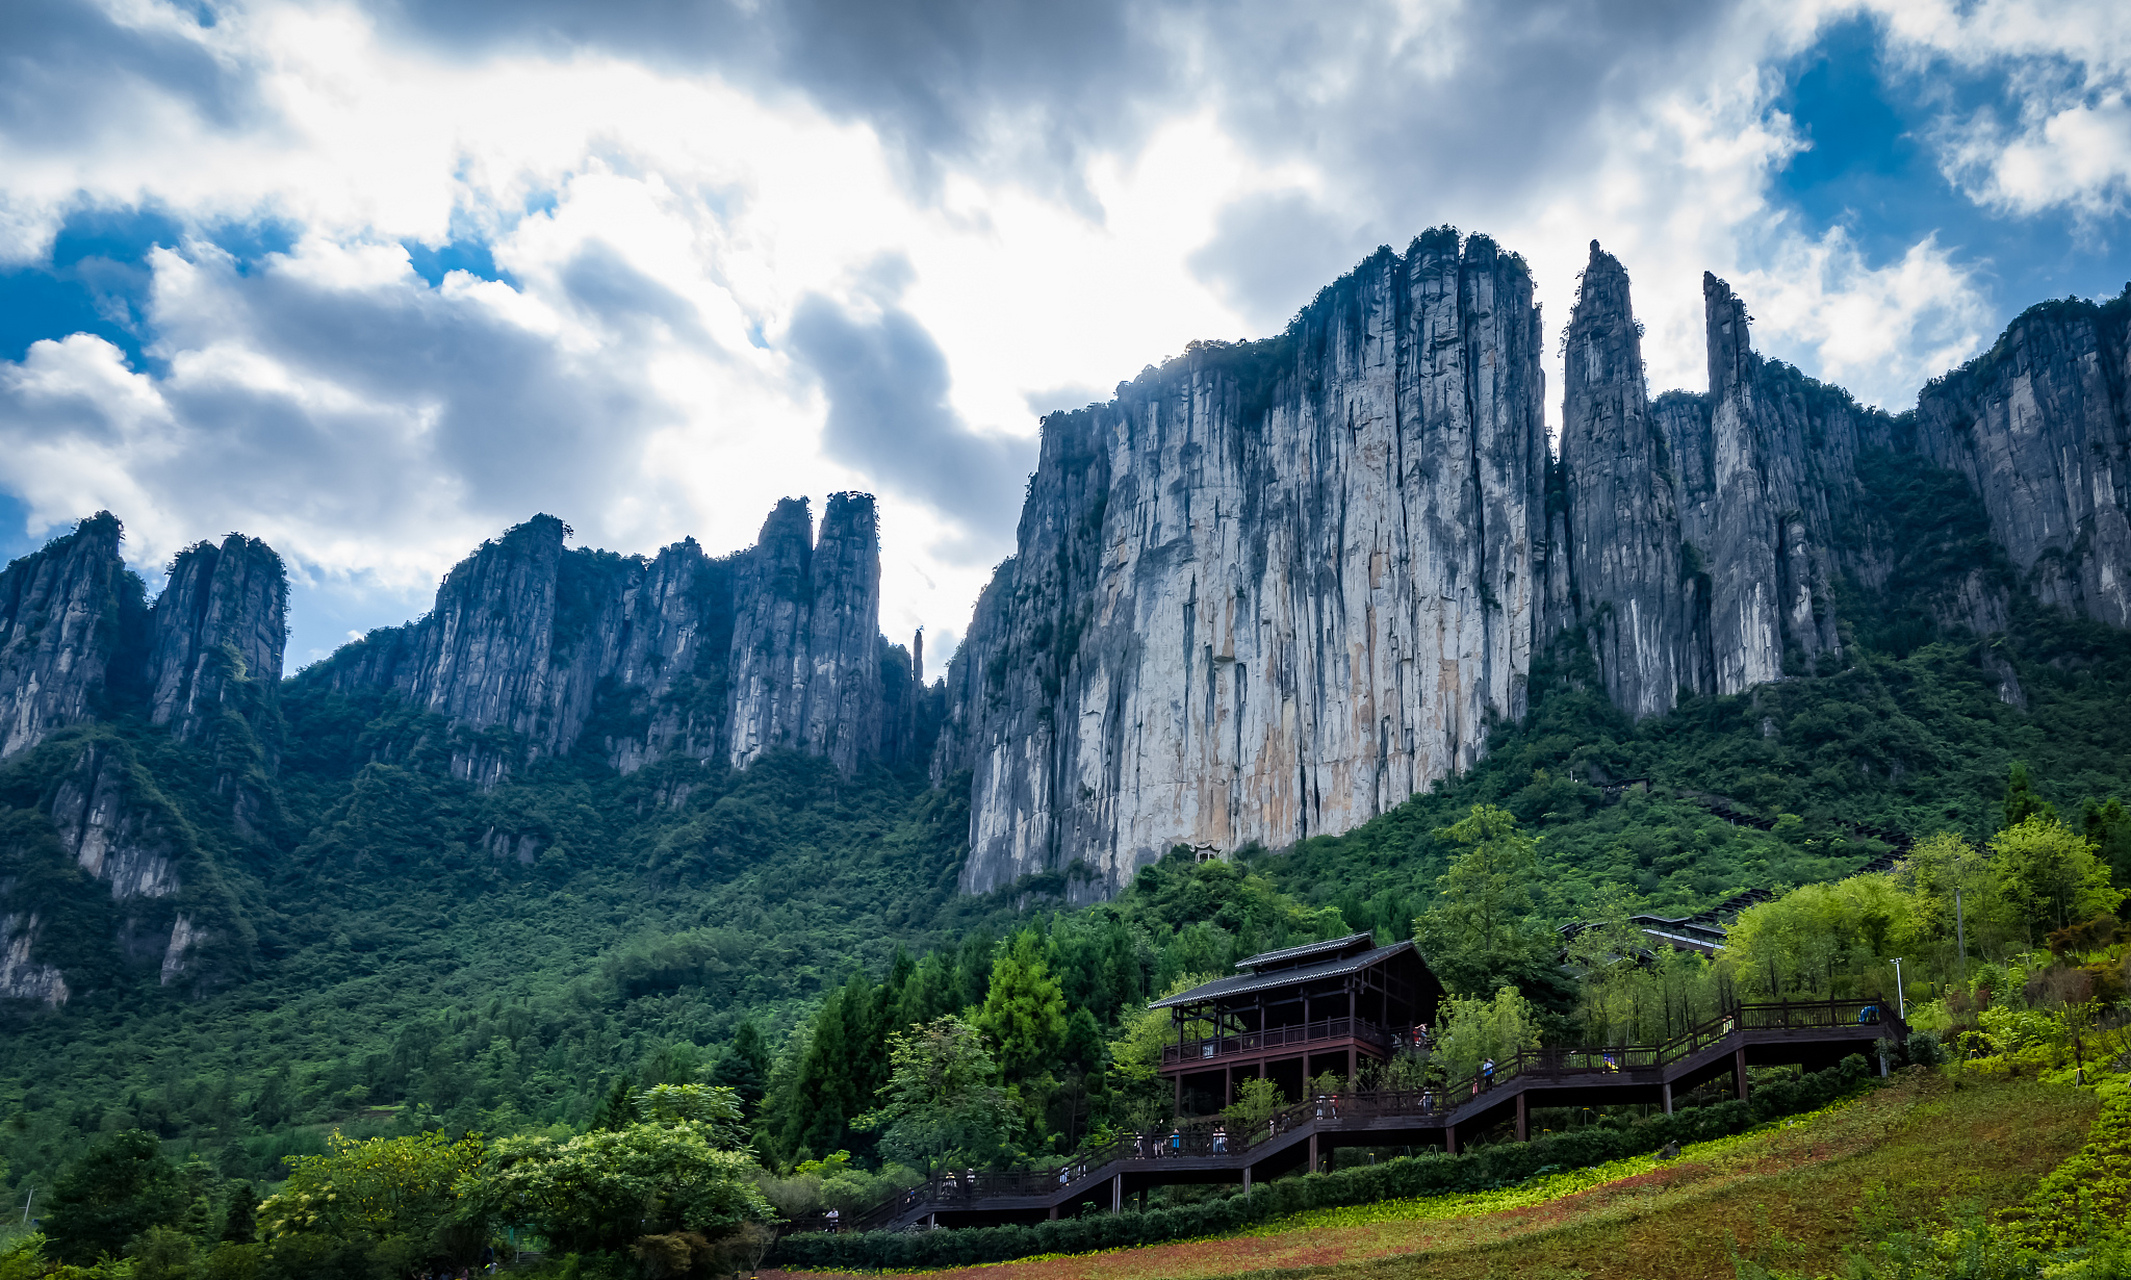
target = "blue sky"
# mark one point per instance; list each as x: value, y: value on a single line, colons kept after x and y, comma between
x: 374, y: 281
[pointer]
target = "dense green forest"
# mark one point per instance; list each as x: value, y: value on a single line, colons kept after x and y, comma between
x: 772, y: 930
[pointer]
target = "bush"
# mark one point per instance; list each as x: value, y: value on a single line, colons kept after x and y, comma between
x: 1390, y: 1180
x: 1924, y: 1050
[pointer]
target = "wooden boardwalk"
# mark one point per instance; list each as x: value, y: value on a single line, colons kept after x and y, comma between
x: 1813, y: 1034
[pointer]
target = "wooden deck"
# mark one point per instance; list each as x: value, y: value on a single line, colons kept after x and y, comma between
x: 1814, y: 1034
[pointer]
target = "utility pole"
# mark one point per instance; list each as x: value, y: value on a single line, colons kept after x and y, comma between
x: 1960, y: 932
x: 1901, y: 1002
x: 26, y: 1206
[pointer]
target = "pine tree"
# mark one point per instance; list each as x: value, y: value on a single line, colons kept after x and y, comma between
x: 2021, y: 802
x: 745, y: 1068
x: 1024, y: 1011
x: 618, y: 1112
x: 239, y: 1224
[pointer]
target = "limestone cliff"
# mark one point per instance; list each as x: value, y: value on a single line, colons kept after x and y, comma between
x: 1270, y: 590
x: 1707, y: 532
x: 217, y: 634
x: 774, y: 647
x: 2041, y: 426
x: 66, y: 612
x: 1273, y: 589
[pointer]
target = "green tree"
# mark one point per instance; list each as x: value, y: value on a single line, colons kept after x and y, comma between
x: 2021, y: 802
x: 745, y: 1066
x: 1472, y: 1031
x: 406, y: 1188
x: 119, y: 1188
x: 2108, y: 825
x: 618, y: 1110
x: 2051, y: 874
x: 1481, y: 930
x: 1024, y: 1011
x: 943, y: 1105
x: 240, y: 1223
x: 605, y: 1190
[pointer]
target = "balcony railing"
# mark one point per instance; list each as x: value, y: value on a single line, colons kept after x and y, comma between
x: 1214, y: 1048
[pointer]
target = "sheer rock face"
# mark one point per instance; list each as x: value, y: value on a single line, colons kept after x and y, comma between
x: 1707, y: 532
x: 775, y: 647
x: 1270, y: 590
x: 1644, y: 608
x: 217, y: 634
x: 2041, y: 427
x: 66, y: 612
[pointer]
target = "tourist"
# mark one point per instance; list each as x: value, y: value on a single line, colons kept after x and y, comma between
x: 1176, y: 1142
x: 1220, y: 1141
x: 1487, y: 1072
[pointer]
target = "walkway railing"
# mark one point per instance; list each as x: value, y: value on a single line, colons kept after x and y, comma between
x: 1214, y: 1048
x: 1211, y: 1138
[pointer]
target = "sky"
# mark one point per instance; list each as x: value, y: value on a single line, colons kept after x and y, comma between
x: 376, y: 281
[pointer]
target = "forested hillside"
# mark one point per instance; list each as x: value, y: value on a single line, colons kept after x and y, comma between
x: 399, y: 974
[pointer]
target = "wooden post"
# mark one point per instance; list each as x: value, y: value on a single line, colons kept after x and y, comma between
x: 1738, y: 1071
x: 1450, y: 1140
x: 1313, y: 1153
x: 1179, y: 1092
x: 1054, y: 1213
x: 1228, y: 1084
x: 1523, y: 1119
x: 1668, y: 1097
x: 1246, y: 1178
x: 1117, y: 1193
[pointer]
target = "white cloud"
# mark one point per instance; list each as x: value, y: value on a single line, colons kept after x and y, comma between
x: 664, y: 212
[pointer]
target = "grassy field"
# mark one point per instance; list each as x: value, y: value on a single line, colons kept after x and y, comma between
x: 1920, y: 1151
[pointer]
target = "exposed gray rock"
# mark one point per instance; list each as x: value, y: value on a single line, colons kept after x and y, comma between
x: 217, y: 634
x: 776, y: 647
x: 113, y: 840
x: 1642, y: 599
x: 65, y: 612
x: 2040, y: 426
x: 1272, y: 589
x: 21, y: 976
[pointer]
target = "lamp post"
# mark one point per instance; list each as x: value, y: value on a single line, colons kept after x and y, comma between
x: 1901, y: 1002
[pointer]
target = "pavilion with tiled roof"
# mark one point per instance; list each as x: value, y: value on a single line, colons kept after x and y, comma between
x: 1299, y: 1012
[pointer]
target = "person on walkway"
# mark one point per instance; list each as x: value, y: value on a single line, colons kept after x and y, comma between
x: 835, y: 1222
x: 1220, y: 1141
x: 1427, y: 1102
x: 1176, y: 1142
x: 1272, y: 1126
x: 1487, y: 1072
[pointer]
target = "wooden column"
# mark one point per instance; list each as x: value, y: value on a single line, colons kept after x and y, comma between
x: 1054, y: 1213
x: 1668, y: 1097
x: 1738, y: 1071
x: 1313, y: 1153
x: 1246, y: 1177
x: 1523, y: 1120
x: 1180, y: 1093
x: 1117, y: 1193
x: 1228, y: 1084
x: 1450, y: 1140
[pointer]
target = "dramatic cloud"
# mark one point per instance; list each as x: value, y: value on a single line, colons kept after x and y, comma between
x: 374, y: 281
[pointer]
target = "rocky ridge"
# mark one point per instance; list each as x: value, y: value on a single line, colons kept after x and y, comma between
x: 1272, y: 589
x: 559, y: 649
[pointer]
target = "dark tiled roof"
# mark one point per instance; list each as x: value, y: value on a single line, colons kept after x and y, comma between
x: 1307, y: 951
x: 1245, y: 984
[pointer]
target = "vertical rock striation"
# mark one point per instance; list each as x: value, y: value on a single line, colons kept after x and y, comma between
x: 1644, y: 604
x: 217, y: 634
x: 1708, y: 532
x: 2041, y: 427
x: 1270, y: 590
x: 66, y: 613
x: 532, y: 646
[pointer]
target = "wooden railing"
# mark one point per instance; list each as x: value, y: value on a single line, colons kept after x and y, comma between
x: 1215, y: 1048
x: 1209, y: 1137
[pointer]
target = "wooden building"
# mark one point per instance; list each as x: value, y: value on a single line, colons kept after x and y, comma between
x: 1292, y: 1014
